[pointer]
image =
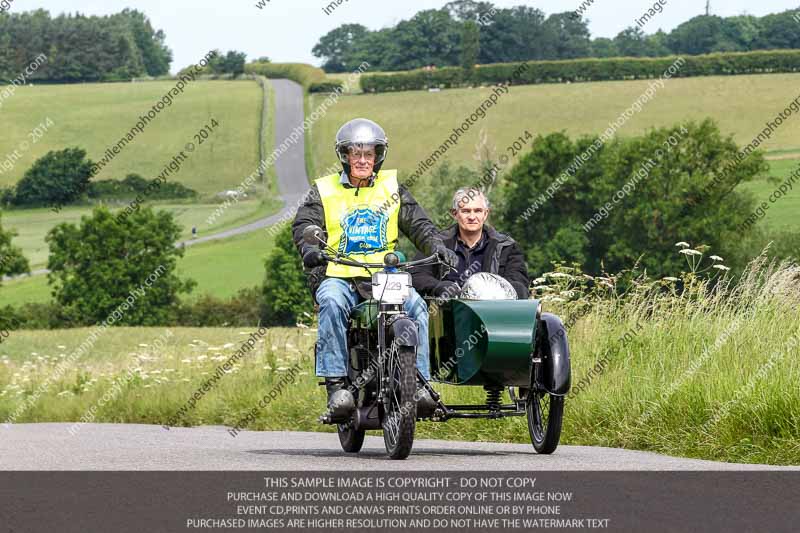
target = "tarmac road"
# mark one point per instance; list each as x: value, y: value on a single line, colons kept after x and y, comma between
x: 50, y: 446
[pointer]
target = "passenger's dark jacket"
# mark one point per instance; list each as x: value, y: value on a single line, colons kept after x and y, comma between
x: 413, y: 222
x: 502, y: 256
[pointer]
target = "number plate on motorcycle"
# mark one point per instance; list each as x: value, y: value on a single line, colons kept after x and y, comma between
x: 391, y: 287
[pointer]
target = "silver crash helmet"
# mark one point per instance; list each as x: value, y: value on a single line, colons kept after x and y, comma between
x: 486, y: 286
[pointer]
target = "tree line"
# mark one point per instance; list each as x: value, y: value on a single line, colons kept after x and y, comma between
x: 465, y: 32
x: 81, y: 48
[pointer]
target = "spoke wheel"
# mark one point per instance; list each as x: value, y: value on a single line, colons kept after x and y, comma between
x: 350, y: 438
x: 399, y: 406
x: 545, y: 414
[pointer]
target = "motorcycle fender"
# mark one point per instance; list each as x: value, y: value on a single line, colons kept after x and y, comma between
x: 405, y: 331
x: 556, y: 372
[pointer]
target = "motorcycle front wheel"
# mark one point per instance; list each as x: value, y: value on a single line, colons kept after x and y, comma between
x: 351, y: 439
x: 400, y: 407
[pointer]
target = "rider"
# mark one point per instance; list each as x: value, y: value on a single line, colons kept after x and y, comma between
x: 480, y: 248
x: 360, y: 211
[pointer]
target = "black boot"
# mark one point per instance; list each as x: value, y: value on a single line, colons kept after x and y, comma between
x: 341, y: 402
x: 426, y: 405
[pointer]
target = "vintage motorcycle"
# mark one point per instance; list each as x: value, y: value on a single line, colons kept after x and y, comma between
x: 493, y: 343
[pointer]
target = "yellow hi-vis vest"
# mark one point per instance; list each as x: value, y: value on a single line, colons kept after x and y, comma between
x: 364, y: 227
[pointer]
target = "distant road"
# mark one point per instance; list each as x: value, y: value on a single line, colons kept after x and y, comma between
x: 146, y: 447
x: 290, y: 166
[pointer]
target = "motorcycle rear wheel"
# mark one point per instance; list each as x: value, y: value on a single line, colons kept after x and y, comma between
x: 400, y: 408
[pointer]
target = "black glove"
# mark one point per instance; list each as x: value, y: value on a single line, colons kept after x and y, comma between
x: 312, y: 257
x: 446, y: 254
x: 448, y: 289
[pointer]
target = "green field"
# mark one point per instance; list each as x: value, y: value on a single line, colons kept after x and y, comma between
x: 223, y: 162
x: 96, y: 116
x: 739, y: 404
x: 221, y: 269
x: 417, y: 122
x: 32, y: 225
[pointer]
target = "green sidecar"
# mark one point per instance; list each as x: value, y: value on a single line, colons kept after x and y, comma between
x: 501, y: 344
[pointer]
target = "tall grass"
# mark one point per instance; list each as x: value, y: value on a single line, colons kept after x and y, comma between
x: 700, y: 365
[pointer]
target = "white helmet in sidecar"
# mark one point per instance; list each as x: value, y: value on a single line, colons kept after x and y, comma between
x: 486, y: 286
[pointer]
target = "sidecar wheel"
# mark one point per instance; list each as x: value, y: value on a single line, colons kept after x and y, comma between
x: 545, y: 414
x: 351, y: 439
x: 400, y: 406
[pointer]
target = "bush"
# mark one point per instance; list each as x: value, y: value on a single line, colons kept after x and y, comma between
x: 687, y: 194
x: 327, y: 86
x: 302, y: 73
x: 56, y: 179
x: 109, y: 266
x: 34, y: 316
x: 12, y: 262
x: 583, y: 70
x: 133, y: 185
x: 244, y: 309
x: 285, y: 292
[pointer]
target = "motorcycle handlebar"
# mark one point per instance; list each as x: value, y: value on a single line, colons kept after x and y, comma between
x: 347, y: 262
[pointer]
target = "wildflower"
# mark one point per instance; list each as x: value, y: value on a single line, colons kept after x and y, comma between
x: 722, y: 267
x: 539, y: 281
x: 682, y: 244
x: 690, y: 252
x: 670, y: 278
x: 558, y: 275
x: 716, y: 258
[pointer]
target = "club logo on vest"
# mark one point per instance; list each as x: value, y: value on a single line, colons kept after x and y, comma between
x: 363, y: 231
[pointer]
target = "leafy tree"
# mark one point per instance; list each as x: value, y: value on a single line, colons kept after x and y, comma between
x: 465, y: 10
x: 107, y: 262
x: 699, y: 35
x: 631, y: 42
x: 81, y: 48
x: 779, y: 30
x: 516, y: 34
x: 431, y: 37
x: 57, y: 178
x: 286, y: 294
x: 690, y: 194
x: 568, y: 36
x: 470, y: 45
x: 604, y: 47
x: 234, y: 63
x: 156, y: 56
x: 231, y: 63
x: 338, y: 47
x: 12, y: 262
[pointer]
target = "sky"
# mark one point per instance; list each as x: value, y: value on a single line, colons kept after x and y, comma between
x: 287, y: 30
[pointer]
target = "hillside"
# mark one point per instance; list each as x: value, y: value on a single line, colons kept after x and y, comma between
x: 96, y: 116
